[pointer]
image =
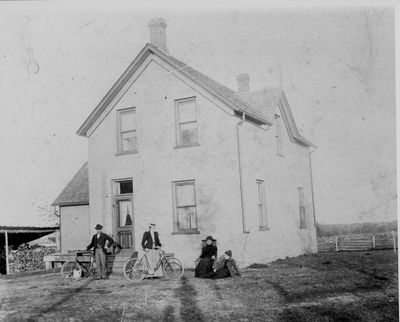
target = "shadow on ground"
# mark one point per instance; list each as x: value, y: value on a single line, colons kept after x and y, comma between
x: 187, y: 295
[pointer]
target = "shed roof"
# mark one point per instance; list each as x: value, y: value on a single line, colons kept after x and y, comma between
x: 17, y: 235
x: 27, y: 229
x: 77, y: 190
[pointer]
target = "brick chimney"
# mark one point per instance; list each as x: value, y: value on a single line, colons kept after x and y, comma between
x: 158, y: 35
x: 243, y: 83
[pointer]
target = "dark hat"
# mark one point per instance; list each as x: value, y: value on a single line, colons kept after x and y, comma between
x: 210, y: 238
x: 98, y: 227
x: 229, y: 253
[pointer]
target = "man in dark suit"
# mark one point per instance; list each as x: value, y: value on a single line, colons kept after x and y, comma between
x: 151, y: 244
x: 99, y: 241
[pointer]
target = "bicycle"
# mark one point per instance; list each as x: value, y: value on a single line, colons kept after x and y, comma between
x: 137, y: 269
x: 76, y: 269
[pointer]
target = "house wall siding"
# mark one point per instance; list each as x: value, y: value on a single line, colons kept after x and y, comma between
x: 282, y: 177
x: 75, y: 229
x: 214, y: 167
x: 158, y: 163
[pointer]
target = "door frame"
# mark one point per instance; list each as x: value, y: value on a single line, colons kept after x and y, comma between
x: 115, y: 199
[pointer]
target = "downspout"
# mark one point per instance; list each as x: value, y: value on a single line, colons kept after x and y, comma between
x: 311, y: 150
x: 7, y: 259
x: 241, y: 174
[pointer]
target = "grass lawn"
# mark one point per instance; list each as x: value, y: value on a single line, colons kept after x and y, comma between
x: 357, y: 286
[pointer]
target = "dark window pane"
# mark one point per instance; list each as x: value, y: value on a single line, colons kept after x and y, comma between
x: 125, y: 187
x: 188, y: 133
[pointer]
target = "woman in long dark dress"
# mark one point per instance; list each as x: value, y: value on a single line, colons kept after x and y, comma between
x: 208, y: 254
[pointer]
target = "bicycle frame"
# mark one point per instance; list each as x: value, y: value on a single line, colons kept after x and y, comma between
x: 160, y: 262
x: 137, y: 268
x: 87, y: 267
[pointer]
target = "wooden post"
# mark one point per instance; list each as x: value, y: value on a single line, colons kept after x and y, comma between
x: 7, y: 264
x: 373, y: 241
x: 394, y: 241
x: 337, y: 244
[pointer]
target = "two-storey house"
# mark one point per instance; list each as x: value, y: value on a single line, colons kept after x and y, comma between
x: 169, y: 145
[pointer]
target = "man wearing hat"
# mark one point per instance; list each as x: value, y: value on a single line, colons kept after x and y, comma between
x: 151, y: 244
x: 99, y: 241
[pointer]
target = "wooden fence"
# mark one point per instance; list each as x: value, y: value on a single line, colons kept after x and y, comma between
x: 358, y: 242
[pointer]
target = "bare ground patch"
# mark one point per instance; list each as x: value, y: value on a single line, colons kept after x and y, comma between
x: 323, y: 287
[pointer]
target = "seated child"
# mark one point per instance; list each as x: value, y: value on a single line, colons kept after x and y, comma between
x: 225, y: 267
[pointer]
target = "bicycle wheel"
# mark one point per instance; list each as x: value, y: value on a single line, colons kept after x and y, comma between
x: 135, y: 270
x: 173, y: 268
x: 71, y: 270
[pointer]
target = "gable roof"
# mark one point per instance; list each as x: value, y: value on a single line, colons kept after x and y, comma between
x: 225, y: 94
x: 290, y: 123
x: 267, y: 101
x: 77, y: 190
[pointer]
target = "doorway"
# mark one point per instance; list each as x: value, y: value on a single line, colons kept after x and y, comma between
x: 124, y: 213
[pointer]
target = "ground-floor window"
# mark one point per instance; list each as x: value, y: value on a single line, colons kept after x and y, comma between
x: 261, y: 206
x: 302, y: 208
x: 184, y: 204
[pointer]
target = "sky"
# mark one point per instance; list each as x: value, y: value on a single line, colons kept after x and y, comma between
x: 335, y: 64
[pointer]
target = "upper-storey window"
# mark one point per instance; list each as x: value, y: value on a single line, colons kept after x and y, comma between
x: 186, y: 122
x: 127, y: 141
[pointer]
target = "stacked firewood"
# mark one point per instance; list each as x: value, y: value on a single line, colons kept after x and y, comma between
x: 28, y: 258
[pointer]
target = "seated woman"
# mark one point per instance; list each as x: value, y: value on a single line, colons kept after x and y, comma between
x: 225, y: 267
x: 206, y: 259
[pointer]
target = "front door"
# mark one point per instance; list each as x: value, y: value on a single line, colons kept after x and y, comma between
x: 124, y: 222
x: 123, y: 213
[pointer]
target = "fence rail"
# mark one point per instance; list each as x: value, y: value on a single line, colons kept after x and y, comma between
x: 358, y: 242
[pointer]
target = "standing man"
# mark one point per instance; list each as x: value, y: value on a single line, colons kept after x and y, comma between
x: 151, y: 244
x: 98, y: 244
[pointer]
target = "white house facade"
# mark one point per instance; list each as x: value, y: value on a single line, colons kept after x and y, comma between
x: 170, y: 146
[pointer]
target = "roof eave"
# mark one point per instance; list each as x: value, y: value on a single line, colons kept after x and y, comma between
x: 163, y: 56
x: 148, y: 48
x: 305, y: 142
x: 84, y: 128
x: 74, y: 203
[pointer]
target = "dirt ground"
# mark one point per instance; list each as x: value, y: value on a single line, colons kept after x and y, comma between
x: 359, y: 286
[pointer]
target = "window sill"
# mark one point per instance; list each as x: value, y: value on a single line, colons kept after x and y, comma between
x: 185, y: 232
x: 186, y: 146
x: 263, y: 229
x: 127, y: 152
x: 280, y: 155
x: 303, y: 227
